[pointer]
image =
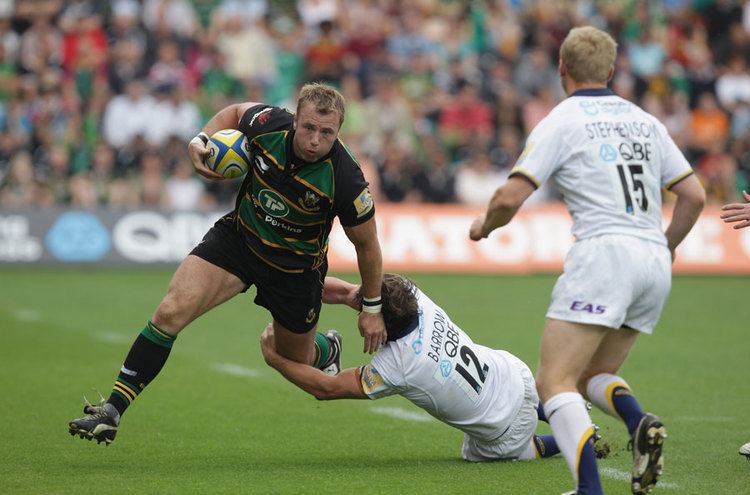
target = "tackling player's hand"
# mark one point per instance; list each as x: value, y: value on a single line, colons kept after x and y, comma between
x: 353, y: 299
x: 198, y: 153
x: 268, y: 344
x: 476, y: 231
x: 372, y: 328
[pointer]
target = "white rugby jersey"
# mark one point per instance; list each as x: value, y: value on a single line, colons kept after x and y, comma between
x: 610, y: 160
x: 437, y: 367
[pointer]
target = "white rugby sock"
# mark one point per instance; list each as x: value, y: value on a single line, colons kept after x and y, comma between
x: 599, y: 390
x: 612, y: 395
x: 572, y: 428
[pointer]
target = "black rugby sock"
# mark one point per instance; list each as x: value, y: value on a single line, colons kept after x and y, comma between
x: 144, y: 361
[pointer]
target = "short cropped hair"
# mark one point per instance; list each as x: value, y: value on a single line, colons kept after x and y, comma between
x: 588, y: 54
x: 324, y: 99
x: 400, y: 308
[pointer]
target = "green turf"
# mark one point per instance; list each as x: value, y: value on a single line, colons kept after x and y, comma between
x: 200, y: 430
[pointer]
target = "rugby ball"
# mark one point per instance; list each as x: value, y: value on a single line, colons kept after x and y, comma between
x: 228, y: 153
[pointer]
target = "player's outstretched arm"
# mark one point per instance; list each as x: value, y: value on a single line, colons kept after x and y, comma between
x: 503, y: 206
x: 737, y: 212
x: 345, y: 385
x: 370, y: 262
x: 227, y: 118
x: 337, y: 291
x: 691, y: 197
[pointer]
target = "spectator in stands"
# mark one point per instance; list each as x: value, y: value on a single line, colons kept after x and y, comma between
x: 72, y: 73
x: 233, y: 39
x: 466, y: 117
x: 388, y: 116
x: 127, y: 115
x: 183, y: 191
x: 708, y: 123
x: 717, y: 170
x: 397, y: 173
x: 40, y: 45
x: 324, y: 60
x: 20, y: 189
x: 733, y: 86
x: 176, y: 17
x: 436, y: 181
x: 477, y: 179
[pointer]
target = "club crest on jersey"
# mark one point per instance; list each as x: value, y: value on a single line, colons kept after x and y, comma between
x: 310, y: 316
x: 309, y: 202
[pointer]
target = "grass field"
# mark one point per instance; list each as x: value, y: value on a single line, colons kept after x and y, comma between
x: 217, y: 420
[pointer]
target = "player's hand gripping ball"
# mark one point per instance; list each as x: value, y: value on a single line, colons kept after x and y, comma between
x: 228, y: 153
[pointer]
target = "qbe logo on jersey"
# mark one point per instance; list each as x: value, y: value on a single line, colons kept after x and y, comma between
x: 272, y: 203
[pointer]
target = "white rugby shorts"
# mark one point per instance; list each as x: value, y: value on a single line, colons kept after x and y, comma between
x: 613, y: 280
x: 516, y: 439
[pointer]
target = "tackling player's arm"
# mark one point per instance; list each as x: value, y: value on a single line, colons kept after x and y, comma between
x: 227, y: 118
x: 370, y: 262
x: 504, y: 204
x: 337, y: 291
x: 691, y: 197
x: 345, y: 385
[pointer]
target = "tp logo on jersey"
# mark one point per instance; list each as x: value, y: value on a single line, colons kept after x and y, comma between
x: 607, y: 153
x: 272, y: 203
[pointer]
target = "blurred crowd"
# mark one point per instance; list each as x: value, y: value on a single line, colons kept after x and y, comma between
x: 99, y: 99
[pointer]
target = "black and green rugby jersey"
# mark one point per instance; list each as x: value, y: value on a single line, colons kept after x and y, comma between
x: 286, y: 206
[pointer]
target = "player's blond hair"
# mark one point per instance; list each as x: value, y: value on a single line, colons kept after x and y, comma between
x: 324, y: 99
x: 588, y: 54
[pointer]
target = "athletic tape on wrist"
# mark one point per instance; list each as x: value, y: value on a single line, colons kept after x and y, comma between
x: 372, y: 309
x: 202, y: 137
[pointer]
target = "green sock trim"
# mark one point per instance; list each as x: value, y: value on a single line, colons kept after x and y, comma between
x: 323, y: 348
x: 158, y: 336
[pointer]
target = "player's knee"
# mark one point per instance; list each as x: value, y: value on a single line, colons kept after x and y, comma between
x: 549, y: 384
x: 170, y: 315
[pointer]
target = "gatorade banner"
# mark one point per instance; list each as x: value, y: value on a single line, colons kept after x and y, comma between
x: 413, y: 238
x: 436, y: 239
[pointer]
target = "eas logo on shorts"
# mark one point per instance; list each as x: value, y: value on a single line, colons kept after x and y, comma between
x: 272, y: 203
x: 594, y: 309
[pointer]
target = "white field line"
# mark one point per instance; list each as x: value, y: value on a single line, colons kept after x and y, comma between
x: 403, y: 414
x: 112, y: 337
x: 235, y: 370
x: 26, y: 315
x: 619, y: 475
